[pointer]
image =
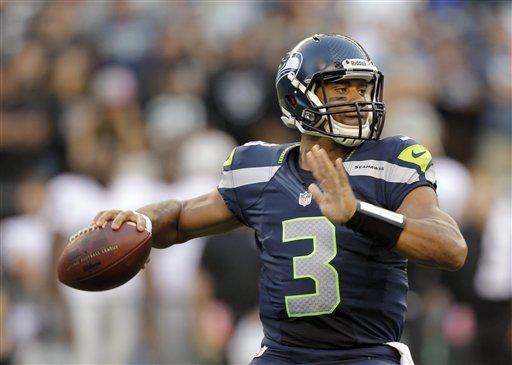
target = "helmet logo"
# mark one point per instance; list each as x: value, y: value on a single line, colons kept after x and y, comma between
x: 356, y: 62
x: 290, y: 65
x: 352, y: 63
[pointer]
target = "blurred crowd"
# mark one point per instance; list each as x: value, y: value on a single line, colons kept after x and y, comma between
x: 121, y: 103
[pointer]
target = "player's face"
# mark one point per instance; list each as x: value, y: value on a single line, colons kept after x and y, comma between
x: 344, y: 91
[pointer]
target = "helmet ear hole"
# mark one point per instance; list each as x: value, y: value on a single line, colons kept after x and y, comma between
x: 291, y: 100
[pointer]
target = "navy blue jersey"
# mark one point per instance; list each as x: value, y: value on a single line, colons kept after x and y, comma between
x: 322, y: 285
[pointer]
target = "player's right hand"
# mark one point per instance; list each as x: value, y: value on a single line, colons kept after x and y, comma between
x: 118, y: 217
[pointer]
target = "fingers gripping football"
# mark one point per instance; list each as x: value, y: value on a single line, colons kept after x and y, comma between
x: 334, y: 194
x: 118, y: 217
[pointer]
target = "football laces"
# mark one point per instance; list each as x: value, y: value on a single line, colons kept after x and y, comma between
x: 81, y: 233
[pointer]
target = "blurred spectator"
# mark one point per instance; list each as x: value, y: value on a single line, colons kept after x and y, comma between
x: 69, y: 82
x: 221, y: 301
x: 203, y: 154
x: 178, y: 109
x: 435, y: 305
x: 15, y: 19
x: 54, y: 25
x: 174, y: 271
x: 126, y: 36
x: 26, y: 129
x: 498, y: 75
x: 71, y: 73
x: 240, y: 91
x: 181, y: 44
x: 459, y: 97
x: 6, y: 345
x: 116, y: 90
x: 26, y: 245
x: 227, y: 292
x: 419, y: 120
x: 214, y: 16
x: 134, y: 183
x: 171, y: 117
x: 493, y: 281
x: 245, y: 340
x: 104, y: 325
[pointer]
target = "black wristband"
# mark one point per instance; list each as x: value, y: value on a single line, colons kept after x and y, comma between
x: 381, y: 225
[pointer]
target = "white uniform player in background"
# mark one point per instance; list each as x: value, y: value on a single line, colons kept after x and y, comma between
x: 174, y: 271
x: 26, y: 259
x: 104, y: 324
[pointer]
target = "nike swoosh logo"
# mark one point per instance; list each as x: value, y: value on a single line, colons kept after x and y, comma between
x: 416, y: 155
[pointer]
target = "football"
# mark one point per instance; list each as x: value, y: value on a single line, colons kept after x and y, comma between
x: 99, y: 258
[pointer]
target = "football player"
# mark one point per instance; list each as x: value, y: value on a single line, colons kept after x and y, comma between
x: 335, y: 216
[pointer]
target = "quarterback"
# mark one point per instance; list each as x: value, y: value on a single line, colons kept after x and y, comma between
x: 335, y: 216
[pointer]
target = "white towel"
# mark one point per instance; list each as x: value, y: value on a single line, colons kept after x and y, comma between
x: 405, y: 354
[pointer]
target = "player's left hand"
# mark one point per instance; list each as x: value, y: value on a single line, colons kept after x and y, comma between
x: 335, y: 198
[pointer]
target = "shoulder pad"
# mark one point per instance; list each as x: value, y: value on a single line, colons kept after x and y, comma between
x: 246, y: 172
x: 412, y: 154
x: 256, y: 154
x: 413, y: 167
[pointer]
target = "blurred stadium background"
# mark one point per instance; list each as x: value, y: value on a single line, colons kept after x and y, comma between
x: 120, y: 103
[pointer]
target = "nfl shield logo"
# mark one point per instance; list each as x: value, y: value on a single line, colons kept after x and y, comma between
x: 305, y: 198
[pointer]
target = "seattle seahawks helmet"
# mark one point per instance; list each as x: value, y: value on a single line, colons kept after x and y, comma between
x: 310, y: 65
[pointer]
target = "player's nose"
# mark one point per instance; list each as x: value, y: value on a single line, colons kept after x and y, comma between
x: 353, y: 95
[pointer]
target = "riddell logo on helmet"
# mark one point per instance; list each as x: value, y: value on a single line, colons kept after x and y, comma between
x: 356, y: 62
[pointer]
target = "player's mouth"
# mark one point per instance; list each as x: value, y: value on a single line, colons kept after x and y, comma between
x: 348, y: 119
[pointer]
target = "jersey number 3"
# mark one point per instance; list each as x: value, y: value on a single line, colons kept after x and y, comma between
x: 316, y: 266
